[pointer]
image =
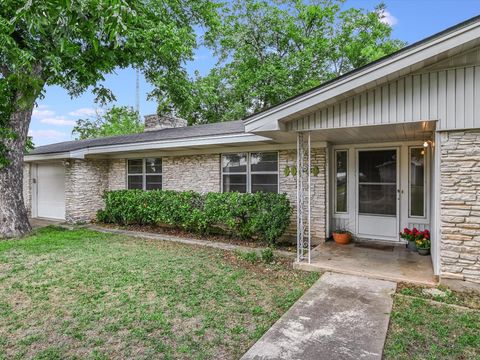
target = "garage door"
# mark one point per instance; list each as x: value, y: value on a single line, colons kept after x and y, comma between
x: 51, y: 191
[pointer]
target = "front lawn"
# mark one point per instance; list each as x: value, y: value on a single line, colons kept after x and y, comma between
x: 83, y: 294
x: 447, y: 328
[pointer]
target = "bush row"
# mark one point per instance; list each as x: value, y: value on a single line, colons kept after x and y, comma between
x: 262, y: 216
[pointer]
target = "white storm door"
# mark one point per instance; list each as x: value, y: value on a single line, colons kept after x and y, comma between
x: 377, y: 194
x: 51, y: 191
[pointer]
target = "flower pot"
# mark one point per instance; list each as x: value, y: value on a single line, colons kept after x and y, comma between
x: 342, y: 238
x: 424, y: 252
x: 412, y: 246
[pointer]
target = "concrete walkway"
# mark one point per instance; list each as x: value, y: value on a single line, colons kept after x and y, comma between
x: 339, y: 317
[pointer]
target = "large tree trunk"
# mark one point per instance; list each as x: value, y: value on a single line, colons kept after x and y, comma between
x: 13, y: 214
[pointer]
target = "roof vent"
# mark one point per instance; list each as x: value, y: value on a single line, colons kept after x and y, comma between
x: 158, y: 122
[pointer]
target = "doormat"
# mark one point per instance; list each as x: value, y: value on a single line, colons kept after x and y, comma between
x: 366, y: 245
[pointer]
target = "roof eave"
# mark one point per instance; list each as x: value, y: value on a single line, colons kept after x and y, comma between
x: 151, y: 145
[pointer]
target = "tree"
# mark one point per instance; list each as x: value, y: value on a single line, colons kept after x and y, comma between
x: 271, y: 50
x: 121, y: 120
x: 72, y: 44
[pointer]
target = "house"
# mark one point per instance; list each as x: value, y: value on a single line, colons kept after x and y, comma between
x: 390, y: 145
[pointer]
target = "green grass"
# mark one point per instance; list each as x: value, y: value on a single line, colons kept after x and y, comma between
x: 421, y: 330
x: 83, y: 294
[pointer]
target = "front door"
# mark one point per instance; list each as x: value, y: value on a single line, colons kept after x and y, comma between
x: 377, y: 190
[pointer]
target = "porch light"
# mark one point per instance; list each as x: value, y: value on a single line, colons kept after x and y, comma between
x: 425, y: 144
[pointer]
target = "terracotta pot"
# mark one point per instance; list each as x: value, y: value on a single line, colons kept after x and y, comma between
x: 342, y: 238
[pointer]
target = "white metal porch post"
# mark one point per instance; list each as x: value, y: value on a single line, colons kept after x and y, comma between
x: 304, y: 185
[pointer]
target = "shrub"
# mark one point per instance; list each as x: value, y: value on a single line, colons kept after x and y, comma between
x: 262, y: 216
x: 267, y: 255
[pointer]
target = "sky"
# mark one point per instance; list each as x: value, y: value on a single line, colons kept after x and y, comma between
x: 412, y: 20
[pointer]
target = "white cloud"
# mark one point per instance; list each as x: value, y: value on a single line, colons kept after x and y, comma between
x: 58, y: 120
x: 84, y: 112
x: 42, y: 112
x: 47, y: 134
x: 387, y: 18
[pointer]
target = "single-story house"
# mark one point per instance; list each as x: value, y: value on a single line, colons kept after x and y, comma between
x: 393, y: 144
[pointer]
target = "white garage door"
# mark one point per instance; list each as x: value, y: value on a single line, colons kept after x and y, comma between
x: 51, y: 191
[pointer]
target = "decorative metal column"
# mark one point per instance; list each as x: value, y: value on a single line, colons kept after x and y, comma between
x: 304, y: 167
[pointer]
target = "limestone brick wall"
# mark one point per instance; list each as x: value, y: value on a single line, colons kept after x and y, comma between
x: 288, y: 185
x: 117, y: 174
x: 85, y: 183
x: 460, y: 205
x: 199, y: 173
x: 27, y: 188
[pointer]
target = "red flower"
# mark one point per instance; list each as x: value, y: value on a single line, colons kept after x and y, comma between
x: 414, y: 231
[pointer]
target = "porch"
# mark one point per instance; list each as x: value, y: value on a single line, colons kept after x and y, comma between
x: 378, y: 261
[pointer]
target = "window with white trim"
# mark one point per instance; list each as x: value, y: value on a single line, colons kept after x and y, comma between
x: 417, y: 182
x: 341, y: 168
x: 144, y: 174
x: 250, y: 172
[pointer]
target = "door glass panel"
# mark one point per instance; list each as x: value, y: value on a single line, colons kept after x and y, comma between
x: 341, y: 181
x: 377, y: 182
x: 417, y: 182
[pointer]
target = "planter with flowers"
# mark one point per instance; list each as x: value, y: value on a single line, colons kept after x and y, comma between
x: 423, y: 245
x: 417, y: 239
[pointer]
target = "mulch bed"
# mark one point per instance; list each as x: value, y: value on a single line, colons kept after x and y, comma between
x: 208, y: 237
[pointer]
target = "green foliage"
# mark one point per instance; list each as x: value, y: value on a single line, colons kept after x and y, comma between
x: 250, y: 256
x: 122, y: 120
x: 271, y: 50
x: 73, y: 44
x: 267, y: 255
x: 262, y: 216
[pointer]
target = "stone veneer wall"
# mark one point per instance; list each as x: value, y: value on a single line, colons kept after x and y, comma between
x: 27, y: 188
x: 288, y: 185
x: 117, y: 174
x: 460, y: 205
x: 200, y: 173
x: 85, y: 183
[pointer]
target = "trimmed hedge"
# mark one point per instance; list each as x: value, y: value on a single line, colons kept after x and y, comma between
x: 262, y: 216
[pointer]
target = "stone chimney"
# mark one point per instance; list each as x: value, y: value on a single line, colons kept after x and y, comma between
x: 158, y: 122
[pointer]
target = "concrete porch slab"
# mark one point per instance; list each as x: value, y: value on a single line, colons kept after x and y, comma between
x: 394, y: 264
x: 339, y: 317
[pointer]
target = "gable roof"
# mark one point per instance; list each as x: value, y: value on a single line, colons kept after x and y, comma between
x: 187, y: 132
x: 401, y: 62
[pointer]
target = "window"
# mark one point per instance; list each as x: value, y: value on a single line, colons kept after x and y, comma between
x: 234, y: 170
x: 417, y: 182
x: 250, y: 172
x: 341, y: 163
x: 144, y: 174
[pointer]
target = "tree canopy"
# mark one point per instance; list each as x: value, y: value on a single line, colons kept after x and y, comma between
x: 73, y: 44
x: 269, y: 51
x: 118, y: 120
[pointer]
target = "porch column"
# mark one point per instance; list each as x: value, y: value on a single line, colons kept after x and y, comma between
x: 304, y: 161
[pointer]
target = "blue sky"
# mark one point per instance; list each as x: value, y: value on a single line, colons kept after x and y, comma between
x: 412, y: 20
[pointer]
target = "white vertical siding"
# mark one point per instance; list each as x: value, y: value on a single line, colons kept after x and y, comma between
x: 451, y: 96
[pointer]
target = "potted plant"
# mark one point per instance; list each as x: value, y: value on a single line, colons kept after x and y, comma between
x: 342, y: 237
x: 413, y: 235
x: 423, y: 244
